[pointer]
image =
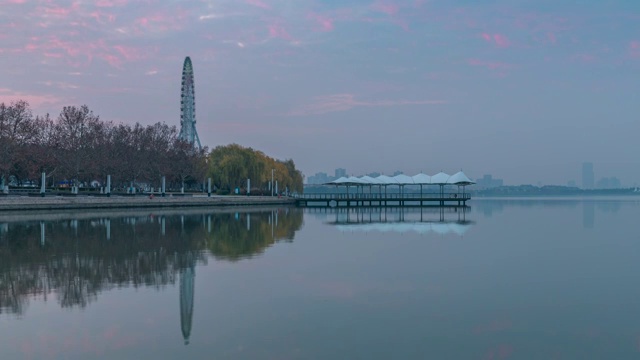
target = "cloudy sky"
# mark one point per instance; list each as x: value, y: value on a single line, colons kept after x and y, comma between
x: 524, y: 90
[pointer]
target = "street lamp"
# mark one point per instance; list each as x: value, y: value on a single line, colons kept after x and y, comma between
x: 272, y: 181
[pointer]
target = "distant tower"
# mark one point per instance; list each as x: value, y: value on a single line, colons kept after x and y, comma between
x: 587, y: 175
x: 188, y: 106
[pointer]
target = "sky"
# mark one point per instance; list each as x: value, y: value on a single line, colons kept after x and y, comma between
x: 524, y: 90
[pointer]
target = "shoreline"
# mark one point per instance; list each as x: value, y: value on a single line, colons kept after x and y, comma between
x: 30, y: 203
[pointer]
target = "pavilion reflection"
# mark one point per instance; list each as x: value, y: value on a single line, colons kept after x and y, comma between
x: 78, y: 256
x: 440, y: 220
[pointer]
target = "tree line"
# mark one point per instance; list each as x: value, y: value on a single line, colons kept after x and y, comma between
x: 79, y: 148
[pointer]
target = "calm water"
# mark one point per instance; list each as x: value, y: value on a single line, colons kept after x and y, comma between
x: 507, y: 279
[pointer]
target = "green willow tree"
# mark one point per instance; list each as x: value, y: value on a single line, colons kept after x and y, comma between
x: 230, y: 166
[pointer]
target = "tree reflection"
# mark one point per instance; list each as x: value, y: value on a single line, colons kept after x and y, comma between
x: 240, y: 235
x: 78, y: 257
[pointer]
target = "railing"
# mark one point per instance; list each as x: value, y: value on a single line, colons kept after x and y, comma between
x: 378, y: 196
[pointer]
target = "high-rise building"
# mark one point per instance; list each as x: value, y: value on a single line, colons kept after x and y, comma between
x: 608, y: 183
x: 188, y: 106
x: 319, y: 178
x: 488, y: 181
x: 340, y: 172
x: 587, y: 175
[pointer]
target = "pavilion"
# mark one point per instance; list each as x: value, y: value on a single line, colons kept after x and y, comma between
x: 440, y: 179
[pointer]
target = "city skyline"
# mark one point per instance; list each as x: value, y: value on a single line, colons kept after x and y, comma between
x: 526, y: 91
x: 488, y: 180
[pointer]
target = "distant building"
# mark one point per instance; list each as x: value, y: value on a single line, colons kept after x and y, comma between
x: 398, y: 172
x: 609, y: 183
x: 373, y: 174
x: 572, y: 183
x: 587, y: 175
x: 487, y: 181
x: 340, y: 172
x: 319, y: 178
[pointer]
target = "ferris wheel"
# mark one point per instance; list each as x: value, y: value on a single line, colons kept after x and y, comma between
x: 188, y: 105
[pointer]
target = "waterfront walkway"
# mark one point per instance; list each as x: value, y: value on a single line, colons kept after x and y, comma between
x: 18, y: 203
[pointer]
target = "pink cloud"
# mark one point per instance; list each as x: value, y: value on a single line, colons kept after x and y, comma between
x: 501, y: 40
x: 162, y: 21
x: 498, y: 40
x: 81, y: 53
x: 143, y: 21
x: 111, y: 3
x: 277, y: 31
x: 102, y: 17
x: 584, y: 58
x: 325, y: 23
x: 385, y: 7
x: 35, y: 100
x: 344, y: 102
x: 258, y: 3
x: 112, y: 60
x: 58, y: 11
x: 129, y: 53
x: 392, y: 11
x: 491, y: 65
x: 634, y: 49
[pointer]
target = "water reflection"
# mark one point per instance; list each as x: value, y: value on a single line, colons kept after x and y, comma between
x: 419, y: 220
x: 491, y: 207
x: 77, y: 256
x: 588, y: 214
x: 187, y: 278
x: 591, y: 206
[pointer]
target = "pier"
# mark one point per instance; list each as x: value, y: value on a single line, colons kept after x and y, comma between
x: 339, y: 200
x: 365, y: 196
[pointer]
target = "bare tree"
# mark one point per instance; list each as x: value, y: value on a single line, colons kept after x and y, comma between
x: 77, y: 131
x: 18, y: 130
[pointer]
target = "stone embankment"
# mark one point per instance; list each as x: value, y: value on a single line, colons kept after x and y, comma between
x: 23, y: 203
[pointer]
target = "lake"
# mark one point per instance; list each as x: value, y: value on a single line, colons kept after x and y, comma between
x: 502, y: 279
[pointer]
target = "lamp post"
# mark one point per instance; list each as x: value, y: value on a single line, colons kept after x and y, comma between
x: 272, y: 181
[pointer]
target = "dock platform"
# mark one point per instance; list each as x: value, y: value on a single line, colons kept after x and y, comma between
x: 339, y: 200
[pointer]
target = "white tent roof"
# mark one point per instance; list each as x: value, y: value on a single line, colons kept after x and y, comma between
x: 403, y: 179
x: 342, y: 180
x: 369, y: 180
x: 440, y: 178
x: 386, y: 180
x: 422, y: 179
x: 460, y: 178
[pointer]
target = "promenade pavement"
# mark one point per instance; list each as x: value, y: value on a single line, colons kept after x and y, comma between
x: 21, y: 203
